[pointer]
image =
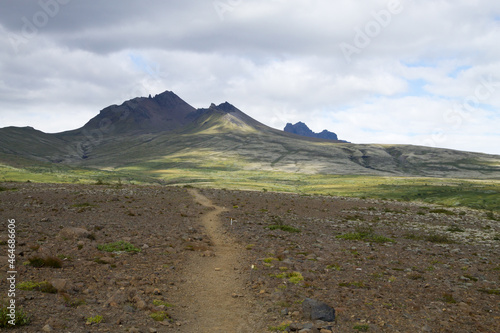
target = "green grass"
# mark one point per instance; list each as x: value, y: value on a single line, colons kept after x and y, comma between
x: 44, y: 286
x: 160, y: 316
x: 40, y: 172
x: 119, y: 246
x: 214, y: 169
x: 293, y: 277
x: 478, y: 194
x: 158, y: 302
x: 279, y: 328
x: 270, y: 260
x: 334, y: 267
x: 21, y: 318
x: 94, y: 320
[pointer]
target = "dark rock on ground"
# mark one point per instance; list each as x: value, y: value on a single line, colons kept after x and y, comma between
x: 314, y: 310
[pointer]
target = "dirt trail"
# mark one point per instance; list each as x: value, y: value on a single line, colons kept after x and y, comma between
x: 213, y: 282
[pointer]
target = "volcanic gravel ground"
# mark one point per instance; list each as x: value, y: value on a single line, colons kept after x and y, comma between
x: 408, y: 267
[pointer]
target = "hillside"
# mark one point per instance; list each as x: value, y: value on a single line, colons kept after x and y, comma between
x: 157, y: 135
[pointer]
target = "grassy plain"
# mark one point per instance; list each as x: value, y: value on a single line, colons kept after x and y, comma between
x: 478, y: 194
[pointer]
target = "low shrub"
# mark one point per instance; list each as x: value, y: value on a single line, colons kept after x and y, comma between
x: 5, y: 320
x: 119, y: 246
x: 44, y: 286
x: 50, y: 261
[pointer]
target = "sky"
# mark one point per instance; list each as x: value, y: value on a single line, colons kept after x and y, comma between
x: 421, y: 72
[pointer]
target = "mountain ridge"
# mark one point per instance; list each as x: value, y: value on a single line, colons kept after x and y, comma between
x: 154, y: 135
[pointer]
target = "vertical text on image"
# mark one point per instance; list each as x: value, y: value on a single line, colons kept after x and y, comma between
x: 11, y: 274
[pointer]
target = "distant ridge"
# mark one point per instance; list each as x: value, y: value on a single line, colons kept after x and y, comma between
x: 302, y: 129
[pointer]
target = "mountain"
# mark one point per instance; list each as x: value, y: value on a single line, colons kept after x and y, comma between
x: 301, y: 129
x: 164, y: 112
x: 163, y: 135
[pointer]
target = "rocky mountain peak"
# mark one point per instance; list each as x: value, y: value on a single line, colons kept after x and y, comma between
x: 302, y: 129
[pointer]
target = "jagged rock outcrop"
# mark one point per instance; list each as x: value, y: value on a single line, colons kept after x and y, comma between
x: 301, y: 129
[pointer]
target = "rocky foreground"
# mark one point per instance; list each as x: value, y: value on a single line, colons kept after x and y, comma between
x: 122, y: 259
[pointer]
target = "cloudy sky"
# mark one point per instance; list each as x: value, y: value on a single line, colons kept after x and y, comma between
x: 424, y: 72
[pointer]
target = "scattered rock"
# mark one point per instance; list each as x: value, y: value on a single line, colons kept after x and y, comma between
x: 139, y: 302
x: 61, y: 285
x: 73, y: 233
x: 116, y: 299
x: 314, y: 310
x: 107, y: 260
x: 208, y: 253
x: 47, y: 328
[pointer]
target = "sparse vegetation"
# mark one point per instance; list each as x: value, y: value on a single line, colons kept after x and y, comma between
x: 160, y: 316
x: 361, y: 328
x: 490, y: 291
x: 120, y: 246
x: 415, y: 276
x: 293, y: 277
x: 50, y: 261
x: 439, y: 239
x: 455, y: 228
x: 441, y: 211
x: 492, y: 216
x: 334, y: 267
x: 278, y: 224
x: 158, y: 302
x: 284, y: 228
x: 269, y: 260
x: 448, y: 298
x: 21, y: 318
x: 413, y: 236
x: 280, y: 328
x: 44, y: 286
x: 64, y: 257
x: 94, y: 320
x: 72, y: 302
